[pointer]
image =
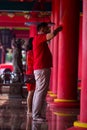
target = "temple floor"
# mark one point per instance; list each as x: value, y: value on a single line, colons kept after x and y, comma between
x: 13, y: 116
x: 13, y: 112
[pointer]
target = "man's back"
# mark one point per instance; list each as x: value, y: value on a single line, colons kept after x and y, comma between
x: 41, y: 52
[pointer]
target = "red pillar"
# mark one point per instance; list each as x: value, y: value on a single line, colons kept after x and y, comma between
x: 80, y: 53
x: 83, y: 104
x: 55, y: 49
x: 32, y: 31
x: 83, y: 110
x: 52, y: 48
x: 68, y: 52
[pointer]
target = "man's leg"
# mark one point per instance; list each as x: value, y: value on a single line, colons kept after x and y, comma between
x: 42, y: 78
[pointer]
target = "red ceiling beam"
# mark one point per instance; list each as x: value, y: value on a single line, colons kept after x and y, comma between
x: 19, y: 21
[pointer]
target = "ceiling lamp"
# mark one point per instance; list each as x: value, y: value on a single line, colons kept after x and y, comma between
x: 11, y: 15
x: 36, y: 23
x: 27, y: 16
x: 21, y: 0
x: 44, y: 14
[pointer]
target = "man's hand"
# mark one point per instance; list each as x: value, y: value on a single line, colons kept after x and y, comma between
x: 60, y: 28
x: 49, y: 36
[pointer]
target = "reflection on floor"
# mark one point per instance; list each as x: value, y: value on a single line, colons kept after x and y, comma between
x: 13, y: 116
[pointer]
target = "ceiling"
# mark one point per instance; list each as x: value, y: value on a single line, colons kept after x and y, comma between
x: 16, y: 13
x: 20, y: 14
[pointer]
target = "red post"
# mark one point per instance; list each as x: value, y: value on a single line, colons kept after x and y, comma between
x: 32, y: 31
x: 83, y: 110
x: 82, y: 123
x: 68, y: 52
x: 52, y: 46
x: 80, y: 53
x: 55, y: 49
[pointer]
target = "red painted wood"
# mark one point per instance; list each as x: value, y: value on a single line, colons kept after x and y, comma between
x: 68, y: 50
x: 55, y: 49
x: 83, y: 108
x: 80, y: 53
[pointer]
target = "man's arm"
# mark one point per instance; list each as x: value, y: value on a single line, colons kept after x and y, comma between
x: 49, y: 36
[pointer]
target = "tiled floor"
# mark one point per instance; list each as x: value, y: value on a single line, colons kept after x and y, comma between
x: 13, y: 116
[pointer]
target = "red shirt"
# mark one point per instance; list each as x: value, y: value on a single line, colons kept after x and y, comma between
x: 41, y: 52
x: 29, y: 60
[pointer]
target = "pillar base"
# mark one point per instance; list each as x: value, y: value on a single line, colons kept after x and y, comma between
x: 80, y: 124
x: 77, y: 128
x: 49, y: 99
x: 49, y: 92
x: 65, y: 103
x: 50, y: 96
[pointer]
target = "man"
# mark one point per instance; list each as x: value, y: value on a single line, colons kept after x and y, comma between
x: 42, y: 69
